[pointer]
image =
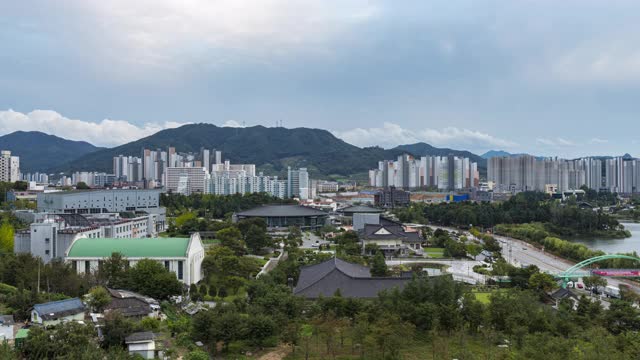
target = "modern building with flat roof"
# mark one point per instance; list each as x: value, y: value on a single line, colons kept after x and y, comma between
x: 282, y: 216
x: 183, y: 256
x: 100, y: 201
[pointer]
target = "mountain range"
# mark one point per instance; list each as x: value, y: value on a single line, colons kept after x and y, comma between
x: 39, y: 151
x: 271, y: 149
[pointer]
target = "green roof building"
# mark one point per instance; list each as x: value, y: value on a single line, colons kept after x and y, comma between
x: 180, y: 255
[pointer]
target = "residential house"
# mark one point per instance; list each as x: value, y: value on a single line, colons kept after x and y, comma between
x: 7, y: 326
x: 56, y: 312
x: 144, y: 344
x: 390, y: 237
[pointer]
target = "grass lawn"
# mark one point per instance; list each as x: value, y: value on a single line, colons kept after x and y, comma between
x: 485, y: 296
x: 435, y: 253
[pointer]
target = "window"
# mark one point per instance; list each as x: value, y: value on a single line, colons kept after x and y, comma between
x: 166, y: 264
x: 180, y: 270
x: 46, y: 252
x: 87, y: 267
x: 46, y: 240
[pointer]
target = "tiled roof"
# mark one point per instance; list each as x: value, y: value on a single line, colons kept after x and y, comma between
x: 140, y: 337
x: 353, y: 280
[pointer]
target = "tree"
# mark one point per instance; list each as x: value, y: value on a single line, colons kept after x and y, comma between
x: 112, y: 271
x: 116, y: 328
x: 197, y: 355
x: 594, y: 282
x: 99, y: 298
x: 542, y: 282
x: 259, y: 328
x: 256, y: 238
x: 82, y: 186
x: 231, y: 238
x: 379, y: 266
x: 6, y: 237
x: 150, y: 278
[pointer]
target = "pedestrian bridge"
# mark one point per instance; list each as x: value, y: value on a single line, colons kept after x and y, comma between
x: 577, y: 271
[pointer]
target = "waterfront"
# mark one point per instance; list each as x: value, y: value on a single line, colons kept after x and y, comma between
x: 613, y: 246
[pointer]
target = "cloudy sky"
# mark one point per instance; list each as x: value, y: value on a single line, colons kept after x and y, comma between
x: 545, y: 77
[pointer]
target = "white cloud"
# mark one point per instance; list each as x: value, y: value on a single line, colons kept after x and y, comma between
x: 390, y: 135
x: 233, y: 124
x: 107, y: 132
x: 596, y: 140
x: 168, y: 32
x: 555, y: 142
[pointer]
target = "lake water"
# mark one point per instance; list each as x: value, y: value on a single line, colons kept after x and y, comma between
x: 613, y: 246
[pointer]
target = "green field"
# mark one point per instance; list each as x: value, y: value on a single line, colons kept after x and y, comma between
x: 484, y: 296
x: 435, y: 253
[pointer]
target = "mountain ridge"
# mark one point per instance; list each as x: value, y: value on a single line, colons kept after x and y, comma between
x: 39, y: 151
x: 272, y: 149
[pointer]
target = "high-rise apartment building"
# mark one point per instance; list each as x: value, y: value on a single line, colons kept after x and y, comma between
x: 185, y: 180
x: 526, y: 173
x: 9, y: 167
x: 442, y: 172
x: 298, y: 184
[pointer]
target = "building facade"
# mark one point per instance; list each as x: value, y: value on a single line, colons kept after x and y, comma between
x: 445, y: 173
x: 9, y: 167
x: 100, y: 201
x: 182, y: 256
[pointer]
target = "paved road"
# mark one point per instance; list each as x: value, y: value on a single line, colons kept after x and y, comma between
x: 460, y: 269
x: 519, y: 253
x: 309, y: 239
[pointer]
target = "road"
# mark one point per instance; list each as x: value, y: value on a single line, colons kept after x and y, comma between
x: 309, y: 239
x: 460, y: 269
x: 518, y: 253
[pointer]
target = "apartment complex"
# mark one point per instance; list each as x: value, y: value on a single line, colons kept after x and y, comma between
x: 186, y: 180
x: 9, y: 167
x: 442, y: 172
x: 527, y: 173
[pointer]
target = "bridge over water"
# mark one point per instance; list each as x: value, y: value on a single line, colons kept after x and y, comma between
x: 577, y: 270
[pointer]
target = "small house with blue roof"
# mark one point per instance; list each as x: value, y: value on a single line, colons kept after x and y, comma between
x: 56, y: 312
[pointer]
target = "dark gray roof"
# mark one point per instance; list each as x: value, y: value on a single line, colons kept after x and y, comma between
x: 129, y: 307
x: 6, y: 319
x: 58, y: 309
x: 352, y: 280
x: 143, y: 336
x: 561, y: 294
x: 394, y: 232
x: 281, y: 211
x: 361, y: 209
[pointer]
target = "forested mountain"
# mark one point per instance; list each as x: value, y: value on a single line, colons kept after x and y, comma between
x: 271, y: 149
x: 39, y: 151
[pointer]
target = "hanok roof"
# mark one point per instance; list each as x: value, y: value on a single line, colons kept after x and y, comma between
x: 144, y: 336
x: 129, y: 306
x: 6, y: 320
x: 386, y: 232
x: 59, y: 309
x: 131, y: 248
x: 281, y: 211
x: 352, y: 280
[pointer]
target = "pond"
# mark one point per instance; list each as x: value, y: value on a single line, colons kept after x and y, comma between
x: 613, y: 246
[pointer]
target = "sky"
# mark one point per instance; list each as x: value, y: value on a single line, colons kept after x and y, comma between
x: 545, y: 77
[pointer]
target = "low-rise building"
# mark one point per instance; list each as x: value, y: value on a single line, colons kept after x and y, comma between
x: 56, y: 312
x: 283, y: 216
x: 183, y: 256
x: 351, y: 280
x: 144, y: 344
x: 391, y: 238
x: 49, y: 236
x: 7, y: 327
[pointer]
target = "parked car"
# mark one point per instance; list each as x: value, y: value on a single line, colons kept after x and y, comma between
x: 612, y: 292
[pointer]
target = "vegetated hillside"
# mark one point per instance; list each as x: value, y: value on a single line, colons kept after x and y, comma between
x: 271, y: 149
x: 423, y: 149
x: 39, y: 151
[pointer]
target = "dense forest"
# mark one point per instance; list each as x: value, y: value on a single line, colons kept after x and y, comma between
x: 561, y: 219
